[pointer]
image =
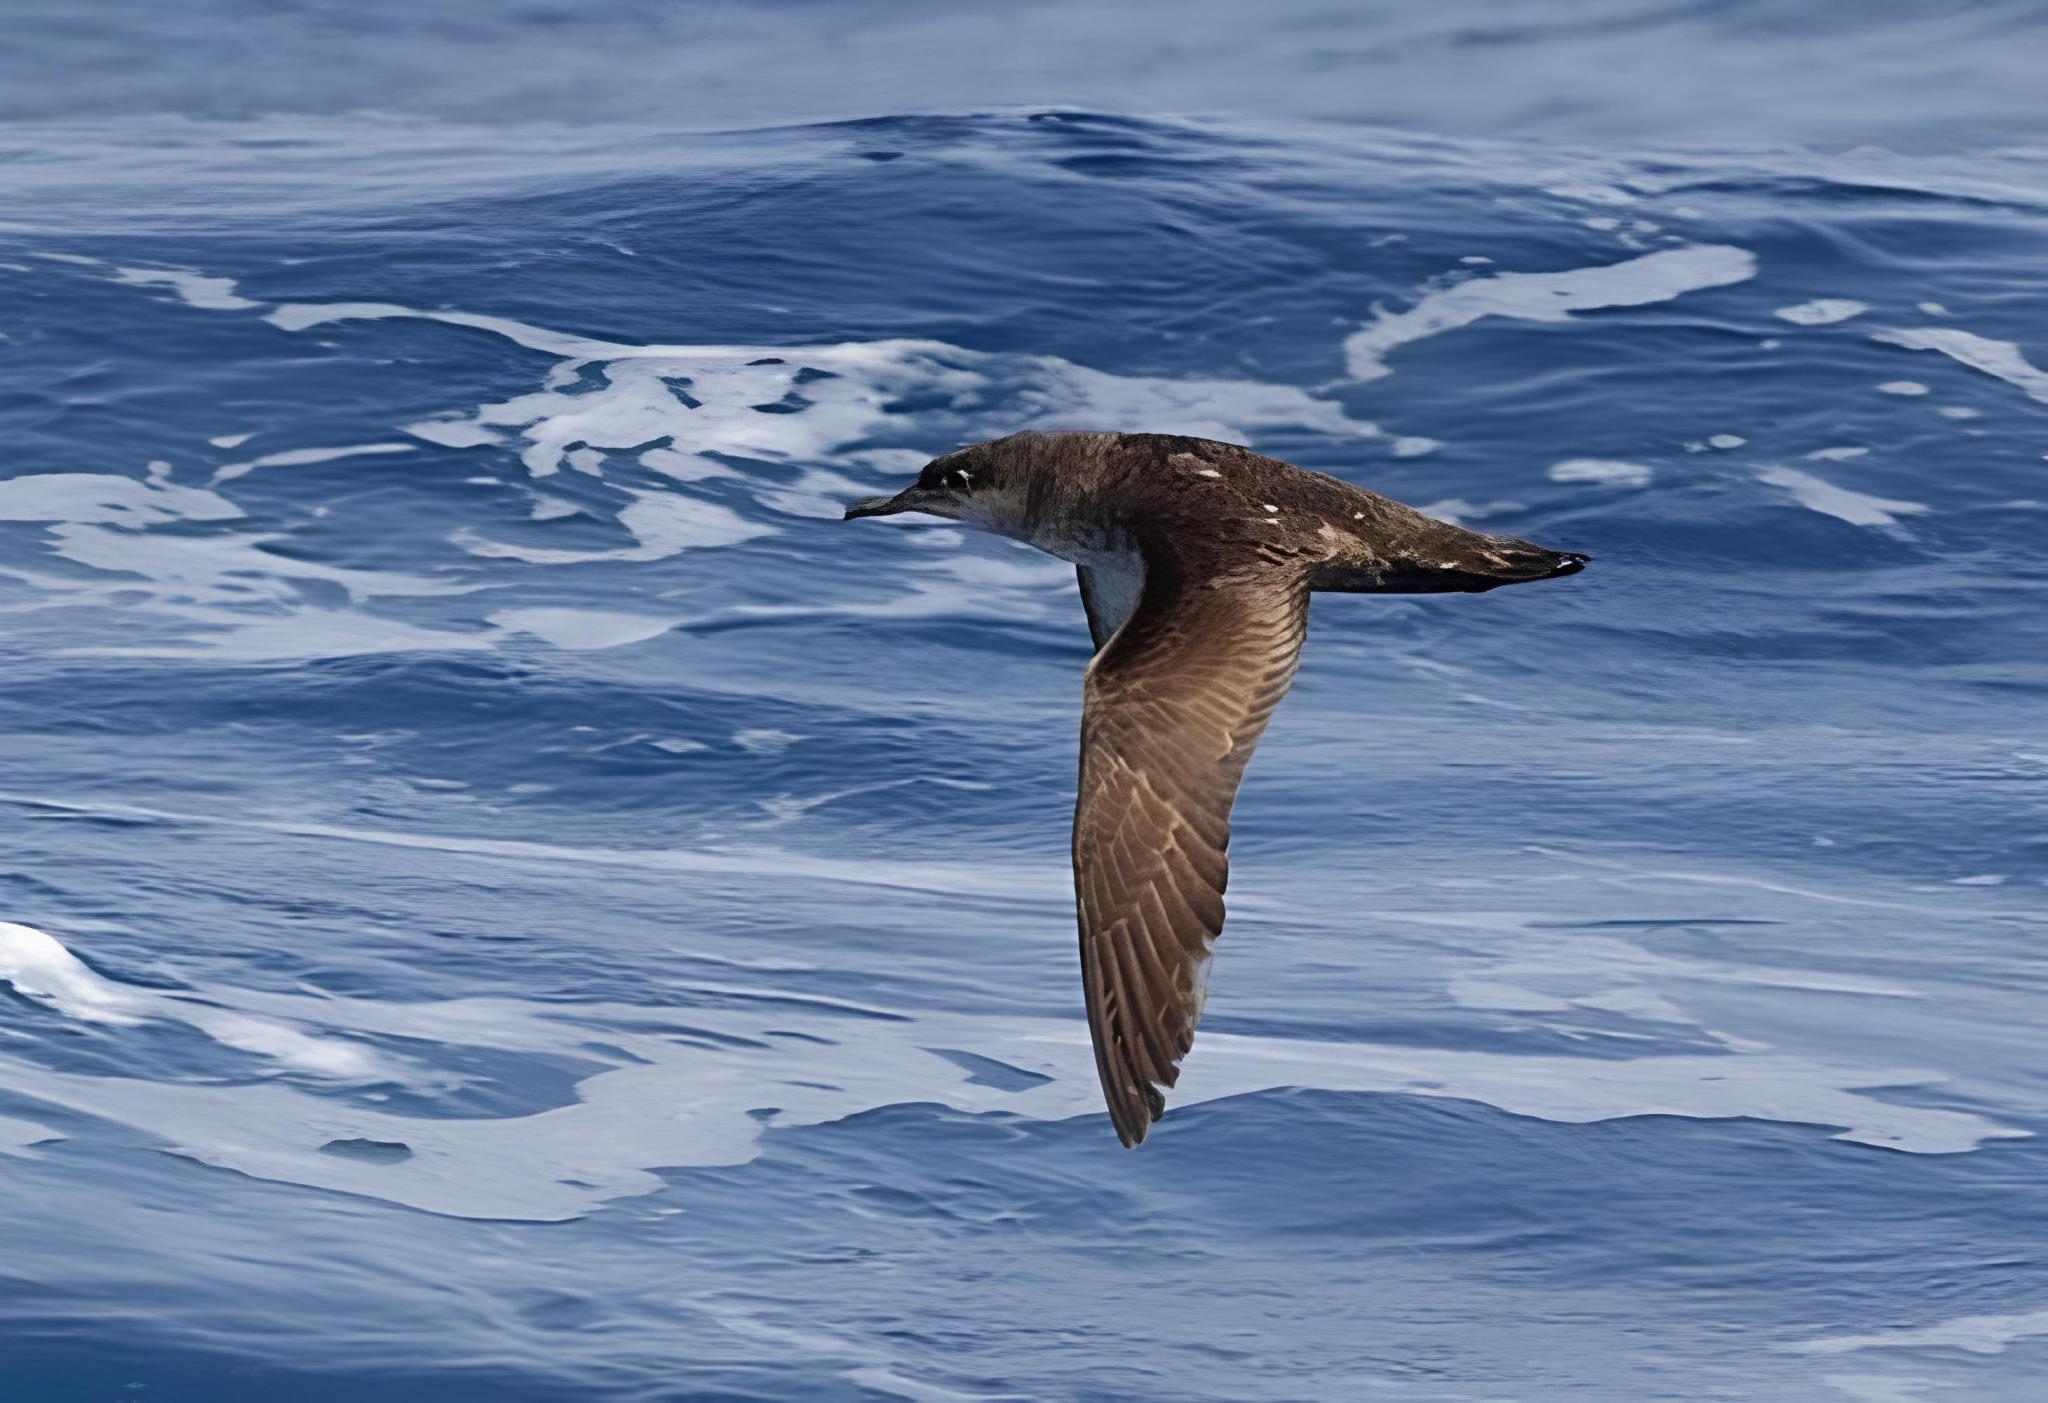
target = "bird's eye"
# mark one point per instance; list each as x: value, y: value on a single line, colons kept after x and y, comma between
x: 956, y: 480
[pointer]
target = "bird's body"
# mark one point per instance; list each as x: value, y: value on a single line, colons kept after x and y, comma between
x: 1106, y: 502
x: 1196, y: 560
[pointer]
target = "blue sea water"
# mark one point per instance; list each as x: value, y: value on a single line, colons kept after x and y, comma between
x: 507, y: 897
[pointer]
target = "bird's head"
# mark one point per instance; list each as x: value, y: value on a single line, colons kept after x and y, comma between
x: 999, y: 486
x: 953, y: 487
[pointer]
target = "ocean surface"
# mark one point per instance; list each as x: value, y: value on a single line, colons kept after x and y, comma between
x: 505, y: 897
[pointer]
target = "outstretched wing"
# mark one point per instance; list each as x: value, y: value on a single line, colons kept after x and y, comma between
x: 1171, y: 711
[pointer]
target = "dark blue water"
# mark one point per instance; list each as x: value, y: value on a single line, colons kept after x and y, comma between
x: 512, y: 899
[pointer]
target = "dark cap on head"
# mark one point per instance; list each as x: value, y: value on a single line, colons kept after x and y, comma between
x: 940, y: 486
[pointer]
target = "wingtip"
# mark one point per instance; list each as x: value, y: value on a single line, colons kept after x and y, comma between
x: 1135, y: 1118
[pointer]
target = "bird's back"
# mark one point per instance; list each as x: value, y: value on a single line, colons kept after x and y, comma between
x: 1221, y: 508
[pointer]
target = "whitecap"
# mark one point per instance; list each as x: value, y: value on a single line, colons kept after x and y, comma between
x: 802, y: 403
x: 195, y: 289
x: 2002, y: 359
x: 662, y: 524
x: 109, y: 499
x: 1856, y: 508
x: 1457, y: 509
x: 1823, y: 311
x: 1608, y: 470
x: 662, y: 1101
x: 236, y: 597
x: 761, y: 418
x: 454, y: 433
x: 583, y: 629
x: 1547, y: 297
x: 39, y: 967
x: 230, y: 569
x: 304, y: 457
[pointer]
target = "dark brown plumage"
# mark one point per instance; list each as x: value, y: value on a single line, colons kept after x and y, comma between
x: 1196, y: 560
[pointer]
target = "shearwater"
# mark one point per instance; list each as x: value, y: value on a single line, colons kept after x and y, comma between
x: 1196, y: 561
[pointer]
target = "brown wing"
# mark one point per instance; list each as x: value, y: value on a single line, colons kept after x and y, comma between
x: 1171, y: 711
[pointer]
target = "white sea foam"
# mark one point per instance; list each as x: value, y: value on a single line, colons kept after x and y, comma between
x: 1414, y: 446
x: 1979, y: 1334
x: 583, y: 629
x: 1547, y: 297
x: 1856, y: 508
x: 692, y: 413
x: 1904, y: 388
x: 1608, y: 470
x: 662, y: 524
x: 229, y: 594
x: 109, y: 499
x: 2002, y: 359
x: 41, y: 968
x: 1823, y: 311
x: 664, y: 1101
x: 1457, y: 509
x: 835, y: 395
x: 210, y: 294
x: 231, y: 569
x: 302, y: 457
x: 19, y: 1136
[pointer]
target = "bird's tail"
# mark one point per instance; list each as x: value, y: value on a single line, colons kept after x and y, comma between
x: 1452, y: 561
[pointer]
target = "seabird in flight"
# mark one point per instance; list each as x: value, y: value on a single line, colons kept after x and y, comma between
x: 1196, y: 562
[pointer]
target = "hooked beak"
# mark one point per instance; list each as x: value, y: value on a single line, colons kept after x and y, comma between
x: 910, y: 499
